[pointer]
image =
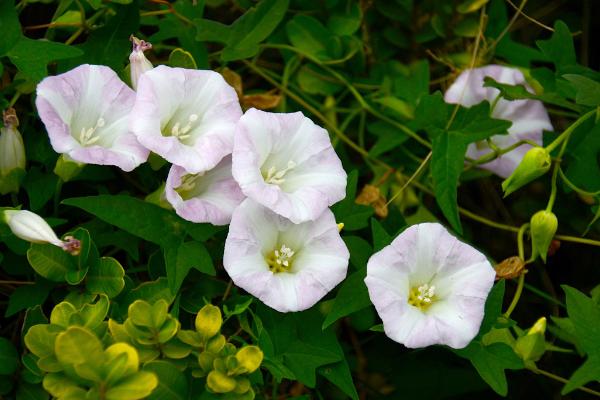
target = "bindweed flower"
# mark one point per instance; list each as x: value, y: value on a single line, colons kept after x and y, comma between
x: 12, y: 154
x: 86, y: 113
x: 288, y: 266
x: 138, y: 63
x: 286, y: 163
x: 32, y: 228
x: 209, y: 196
x: 429, y: 288
x: 186, y: 116
x: 529, y: 117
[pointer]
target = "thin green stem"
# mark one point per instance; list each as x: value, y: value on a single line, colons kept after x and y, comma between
x: 516, y: 297
x: 412, y: 177
x: 562, y: 380
x: 574, y: 187
x: 553, y: 187
x: 565, y: 135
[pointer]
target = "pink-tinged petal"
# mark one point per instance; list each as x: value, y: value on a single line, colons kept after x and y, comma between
x: 319, y: 263
x: 207, y: 197
x: 186, y: 116
x: 90, y: 99
x: 286, y: 163
x: 461, y: 278
x: 529, y: 117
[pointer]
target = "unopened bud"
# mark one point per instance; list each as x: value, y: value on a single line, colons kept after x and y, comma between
x: 543, y: 226
x: 138, y: 63
x: 12, y: 154
x: 30, y: 227
x: 534, y: 164
x: 532, y: 345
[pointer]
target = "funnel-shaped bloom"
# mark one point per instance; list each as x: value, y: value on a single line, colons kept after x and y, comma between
x: 286, y: 163
x: 86, y: 113
x: 429, y: 288
x: 209, y: 196
x: 288, y: 266
x: 529, y: 117
x: 186, y: 116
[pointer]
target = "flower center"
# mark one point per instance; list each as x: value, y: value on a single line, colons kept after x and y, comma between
x: 280, y: 260
x: 189, y: 185
x: 87, y: 136
x: 275, y: 177
x: 183, y: 133
x: 422, y: 296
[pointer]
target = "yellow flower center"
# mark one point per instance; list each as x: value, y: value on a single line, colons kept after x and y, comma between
x: 422, y: 296
x: 280, y: 260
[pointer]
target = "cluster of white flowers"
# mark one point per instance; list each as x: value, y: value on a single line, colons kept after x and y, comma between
x: 272, y: 177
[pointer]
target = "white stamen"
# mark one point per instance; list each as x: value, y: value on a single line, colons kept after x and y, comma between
x: 193, y: 117
x: 86, y: 136
x: 188, y: 182
x: 283, y: 255
x: 182, y: 133
x: 426, y: 293
x: 276, y: 177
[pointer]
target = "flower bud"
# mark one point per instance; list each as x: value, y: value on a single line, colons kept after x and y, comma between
x: 534, y: 164
x: 12, y: 154
x: 138, y: 63
x: 532, y: 345
x: 543, y: 226
x: 30, y: 227
x: 67, y: 169
x: 208, y: 321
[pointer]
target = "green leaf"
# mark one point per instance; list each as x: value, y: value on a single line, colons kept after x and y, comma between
x: 352, y: 296
x: 109, y: 45
x: 180, y: 260
x: 309, y: 35
x: 381, y: 237
x: 40, y: 187
x: 27, y: 296
x: 346, y: 19
x: 134, y: 387
x: 172, y: 383
x: 32, y: 56
x: 78, y: 345
x: 142, y: 219
x: 449, y: 145
x: 212, y: 31
x: 583, y: 169
x: 589, y: 371
x: 339, y: 374
x: 9, y: 358
x: 50, y: 261
x: 182, y: 59
x: 106, y: 277
x: 252, y: 28
x: 151, y: 292
x: 9, y: 26
x: 27, y: 391
x: 559, y: 48
x: 585, y: 315
x: 588, y: 90
x: 40, y: 339
x: 491, y: 361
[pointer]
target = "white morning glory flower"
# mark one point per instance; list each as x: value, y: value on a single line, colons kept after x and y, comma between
x: 286, y: 163
x: 529, y: 117
x: 429, y: 288
x: 288, y: 266
x: 186, y: 116
x: 209, y: 196
x: 86, y: 113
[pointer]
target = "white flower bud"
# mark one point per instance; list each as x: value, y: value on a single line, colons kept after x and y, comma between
x: 30, y: 227
x: 138, y: 63
x: 12, y: 154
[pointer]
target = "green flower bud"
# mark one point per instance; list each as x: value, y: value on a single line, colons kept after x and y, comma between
x: 218, y: 382
x: 532, y: 345
x: 208, y: 321
x: 543, y: 226
x: 249, y: 359
x: 12, y: 154
x: 535, y: 163
x: 66, y: 168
